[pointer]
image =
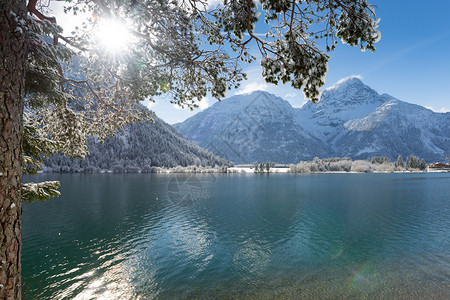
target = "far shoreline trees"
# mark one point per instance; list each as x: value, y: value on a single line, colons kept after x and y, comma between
x: 375, y: 164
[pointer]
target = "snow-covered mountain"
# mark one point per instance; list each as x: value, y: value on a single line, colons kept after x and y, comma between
x: 348, y: 99
x: 252, y: 128
x: 396, y: 127
x: 351, y: 120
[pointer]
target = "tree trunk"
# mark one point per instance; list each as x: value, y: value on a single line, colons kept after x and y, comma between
x: 13, y: 54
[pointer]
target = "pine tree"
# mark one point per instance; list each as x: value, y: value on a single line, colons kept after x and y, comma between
x: 400, y: 163
x: 423, y: 164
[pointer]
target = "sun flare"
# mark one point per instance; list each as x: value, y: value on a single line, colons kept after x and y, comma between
x: 113, y: 35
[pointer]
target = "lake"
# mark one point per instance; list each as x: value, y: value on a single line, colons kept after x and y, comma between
x: 260, y: 236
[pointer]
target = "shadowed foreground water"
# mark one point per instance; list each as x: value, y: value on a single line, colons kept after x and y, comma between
x: 328, y: 236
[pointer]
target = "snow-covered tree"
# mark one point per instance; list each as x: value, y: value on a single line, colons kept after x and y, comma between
x: 182, y: 48
x: 400, y: 163
x: 423, y: 164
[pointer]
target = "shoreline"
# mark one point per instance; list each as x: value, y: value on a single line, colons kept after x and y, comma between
x: 243, y: 171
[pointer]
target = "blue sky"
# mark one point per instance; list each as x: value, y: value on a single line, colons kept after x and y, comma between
x: 411, y: 63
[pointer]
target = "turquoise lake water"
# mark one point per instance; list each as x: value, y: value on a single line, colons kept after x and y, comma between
x: 257, y: 236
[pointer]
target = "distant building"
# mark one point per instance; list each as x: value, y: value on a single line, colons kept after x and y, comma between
x: 438, y: 167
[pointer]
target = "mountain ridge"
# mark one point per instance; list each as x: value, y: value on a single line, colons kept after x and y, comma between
x: 350, y: 120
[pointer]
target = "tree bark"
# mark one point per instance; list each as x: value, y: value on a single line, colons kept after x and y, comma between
x: 13, y: 55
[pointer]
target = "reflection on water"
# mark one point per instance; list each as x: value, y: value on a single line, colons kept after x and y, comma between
x: 144, y: 236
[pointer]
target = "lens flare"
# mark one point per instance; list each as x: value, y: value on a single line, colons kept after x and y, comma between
x: 113, y: 35
x: 365, y: 277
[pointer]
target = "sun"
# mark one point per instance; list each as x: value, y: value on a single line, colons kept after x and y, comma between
x: 113, y: 36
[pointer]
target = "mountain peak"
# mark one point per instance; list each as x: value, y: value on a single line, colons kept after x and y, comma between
x: 253, y: 94
x: 350, y: 91
x: 250, y: 101
x: 346, y: 82
x: 347, y: 99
